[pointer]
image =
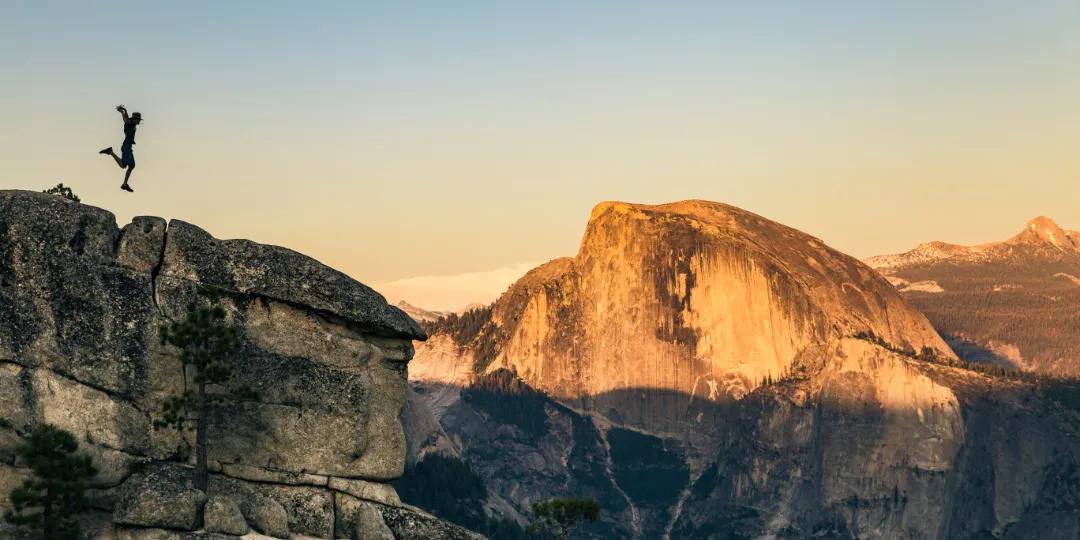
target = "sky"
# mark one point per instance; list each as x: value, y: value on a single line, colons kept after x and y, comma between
x: 435, y: 150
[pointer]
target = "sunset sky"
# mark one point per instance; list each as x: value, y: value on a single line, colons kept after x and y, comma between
x: 436, y: 150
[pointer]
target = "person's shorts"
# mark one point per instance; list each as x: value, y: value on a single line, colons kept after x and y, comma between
x: 127, y: 157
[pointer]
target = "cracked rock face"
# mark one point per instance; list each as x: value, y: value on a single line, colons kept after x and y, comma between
x: 81, y: 301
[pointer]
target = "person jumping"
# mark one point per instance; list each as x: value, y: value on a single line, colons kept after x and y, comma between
x: 126, y: 159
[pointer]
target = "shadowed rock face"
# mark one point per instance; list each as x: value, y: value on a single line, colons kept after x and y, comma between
x: 81, y: 301
x: 866, y: 443
x: 858, y: 442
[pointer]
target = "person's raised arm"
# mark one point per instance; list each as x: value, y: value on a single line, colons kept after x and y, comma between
x: 123, y: 112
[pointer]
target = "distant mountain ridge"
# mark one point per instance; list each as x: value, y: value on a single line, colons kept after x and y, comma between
x: 1013, y: 302
x: 420, y: 314
x: 1041, y: 234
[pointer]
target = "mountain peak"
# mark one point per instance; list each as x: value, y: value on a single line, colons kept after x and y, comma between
x: 665, y: 298
x: 1041, y: 222
x: 1038, y: 232
x: 418, y: 313
x: 1043, y: 230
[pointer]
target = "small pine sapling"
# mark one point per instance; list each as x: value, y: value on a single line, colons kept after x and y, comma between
x: 207, y: 341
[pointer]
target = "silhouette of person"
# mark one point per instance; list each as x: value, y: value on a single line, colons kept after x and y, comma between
x: 126, y: 159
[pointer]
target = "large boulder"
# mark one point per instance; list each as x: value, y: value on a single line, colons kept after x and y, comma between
x: 370, y: 524
x: 162, y: 497
x: 266, y: 516
x: 223, y: 516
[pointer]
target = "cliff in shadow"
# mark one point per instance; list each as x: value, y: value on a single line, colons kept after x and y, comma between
x: 81, y: 301
x: 856, y: 442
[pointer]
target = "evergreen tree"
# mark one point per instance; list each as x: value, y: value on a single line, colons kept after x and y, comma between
x: 63, y: 191
x: 206, y: 341
x: 560, y: 516
x: 50, y: 500
x: 448, y: 488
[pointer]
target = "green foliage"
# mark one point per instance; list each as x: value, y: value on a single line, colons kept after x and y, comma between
x: 450, y: 489
x: 561, y: 516
x: 63, y: 191
x: 1019, y: 301
x: 927, y: 354
x: 650, y: 474
x: 473, y: 329
x: 206, y: 341
x: 49, y: 502
x: 508, y: 400
x: 792, y: 373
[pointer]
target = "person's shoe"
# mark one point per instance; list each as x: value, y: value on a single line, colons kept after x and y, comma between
x: 106, y: 151
x: 127, y: 188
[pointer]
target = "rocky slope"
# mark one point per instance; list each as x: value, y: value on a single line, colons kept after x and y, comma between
x: 1014, y: 303
x: 81, y: 301
x: 707, y: 373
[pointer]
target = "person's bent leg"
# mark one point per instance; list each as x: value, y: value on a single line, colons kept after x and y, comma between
x: 109, y: 152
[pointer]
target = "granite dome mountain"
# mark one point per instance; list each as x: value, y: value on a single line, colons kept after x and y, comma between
x: 698, y: 298
x: 708, y: 373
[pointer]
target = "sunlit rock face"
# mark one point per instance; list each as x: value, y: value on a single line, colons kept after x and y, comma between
x: 695, y: 298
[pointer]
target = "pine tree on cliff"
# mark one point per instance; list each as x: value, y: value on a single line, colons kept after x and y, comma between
x: 63, y: 191
x: 206, y: 341
x: 50, y: 500
x: 561, y: 516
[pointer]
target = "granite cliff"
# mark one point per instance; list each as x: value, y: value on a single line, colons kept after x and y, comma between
x: 81, y: 301
x: 694, y: 298
x: 707, y: 373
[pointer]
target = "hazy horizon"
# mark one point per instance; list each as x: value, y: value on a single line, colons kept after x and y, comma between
x: 434, y: 150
